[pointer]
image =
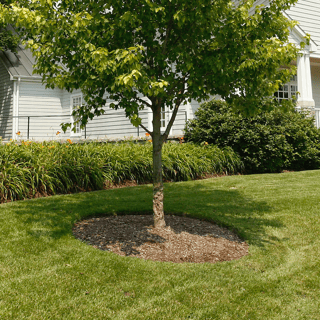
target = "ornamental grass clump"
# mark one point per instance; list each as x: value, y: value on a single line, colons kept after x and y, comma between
x: 189, y: 161
x: 30, y: 169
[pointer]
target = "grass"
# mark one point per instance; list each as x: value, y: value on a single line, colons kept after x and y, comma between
x: 47, y: 274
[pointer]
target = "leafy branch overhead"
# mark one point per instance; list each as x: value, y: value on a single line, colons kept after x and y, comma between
x: 8, y: 40
x: 168, y: 51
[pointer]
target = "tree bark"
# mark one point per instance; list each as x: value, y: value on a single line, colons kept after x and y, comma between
x: 158, y: 212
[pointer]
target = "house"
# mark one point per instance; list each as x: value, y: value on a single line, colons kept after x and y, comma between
x: 307, y: 80
x: 30, y: 111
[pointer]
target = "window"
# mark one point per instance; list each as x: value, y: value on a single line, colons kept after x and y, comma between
x: 76, y: 101
x: 287, y: 91
x: 163, y: 116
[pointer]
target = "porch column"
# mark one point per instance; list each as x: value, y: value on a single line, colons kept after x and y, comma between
x: 305, y: 97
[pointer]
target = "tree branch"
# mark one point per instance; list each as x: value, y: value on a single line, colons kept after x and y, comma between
x: 144, y: 102
x: 176, y: 82
x: 145, y: 129
x: 169, y: 126
x: 167, y: 36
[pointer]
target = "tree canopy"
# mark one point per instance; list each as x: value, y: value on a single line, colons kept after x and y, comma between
x: 156, y: 53
x: 8, y: 40
x: 170, y: 50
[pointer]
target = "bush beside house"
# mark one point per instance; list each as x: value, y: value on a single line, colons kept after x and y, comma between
x: 267, y: 142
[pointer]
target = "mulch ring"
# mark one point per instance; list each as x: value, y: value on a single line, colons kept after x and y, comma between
x: 182, y: 240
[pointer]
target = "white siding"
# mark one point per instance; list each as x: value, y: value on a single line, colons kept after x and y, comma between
x: 41, y: 112
x: 183, y: 115
x: 256, y: 3
x: 114, y: 124
x: 293, y: 39
x: 6, y: 103
x: 307, y: 13
x: 259, y: 3
x: 65, y: 101
x: 315, y: 74
x: 43, y: 109
x: 194, y: 105
x: 35, y: 99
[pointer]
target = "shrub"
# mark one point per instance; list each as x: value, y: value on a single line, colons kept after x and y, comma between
x: 267, y: 142
x: 29, y: 169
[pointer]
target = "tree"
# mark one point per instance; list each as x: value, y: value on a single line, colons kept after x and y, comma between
x: 8, y: 41
x: 156, y: 53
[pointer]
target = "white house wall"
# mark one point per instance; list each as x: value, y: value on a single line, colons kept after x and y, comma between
x: 6, y: 103
x: 43, y: 108
x: 259, y: 3
x: 307, y: 13
x: 315, y: 74
x: 256, y: 3
x: 66, y: 107
x: 114, y: 124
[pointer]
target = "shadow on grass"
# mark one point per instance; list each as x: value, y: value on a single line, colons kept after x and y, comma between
x: 55, y: 216
x: 228, y: 208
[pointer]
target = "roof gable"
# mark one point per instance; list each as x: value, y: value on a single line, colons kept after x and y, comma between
x: 19, y: 64
x: 307, y: 13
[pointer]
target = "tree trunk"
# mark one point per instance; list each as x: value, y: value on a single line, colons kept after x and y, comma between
x: 158, y: 213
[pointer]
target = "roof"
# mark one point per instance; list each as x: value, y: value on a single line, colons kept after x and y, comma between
x: 19, y: 64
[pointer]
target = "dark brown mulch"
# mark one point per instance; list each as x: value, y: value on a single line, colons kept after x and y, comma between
x: 183, y: 240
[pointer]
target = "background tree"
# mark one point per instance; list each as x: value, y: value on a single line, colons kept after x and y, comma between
x: 8, y: 41
x: 157, y: 53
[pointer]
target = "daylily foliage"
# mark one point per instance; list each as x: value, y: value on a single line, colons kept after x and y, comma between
x: 155, y: 53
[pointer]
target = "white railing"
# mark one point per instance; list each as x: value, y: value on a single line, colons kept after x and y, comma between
x: 317, y: 116
x: 111, y: 124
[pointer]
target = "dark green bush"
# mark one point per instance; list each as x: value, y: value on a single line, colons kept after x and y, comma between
x: 267, y: 142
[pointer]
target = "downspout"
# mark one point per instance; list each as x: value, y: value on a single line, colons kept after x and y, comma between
x: 15, y: 122
x: 14, y: 111
x: 18, y: 94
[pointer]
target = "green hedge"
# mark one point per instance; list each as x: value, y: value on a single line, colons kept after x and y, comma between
x: 268, y: 142
x: 29, y: 169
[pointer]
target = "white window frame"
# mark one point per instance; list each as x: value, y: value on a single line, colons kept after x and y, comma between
x: 78, y: 132
x: 288, y: 91
x: 164, y: 119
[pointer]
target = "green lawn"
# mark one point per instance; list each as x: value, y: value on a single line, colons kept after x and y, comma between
x: 47, y: 274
